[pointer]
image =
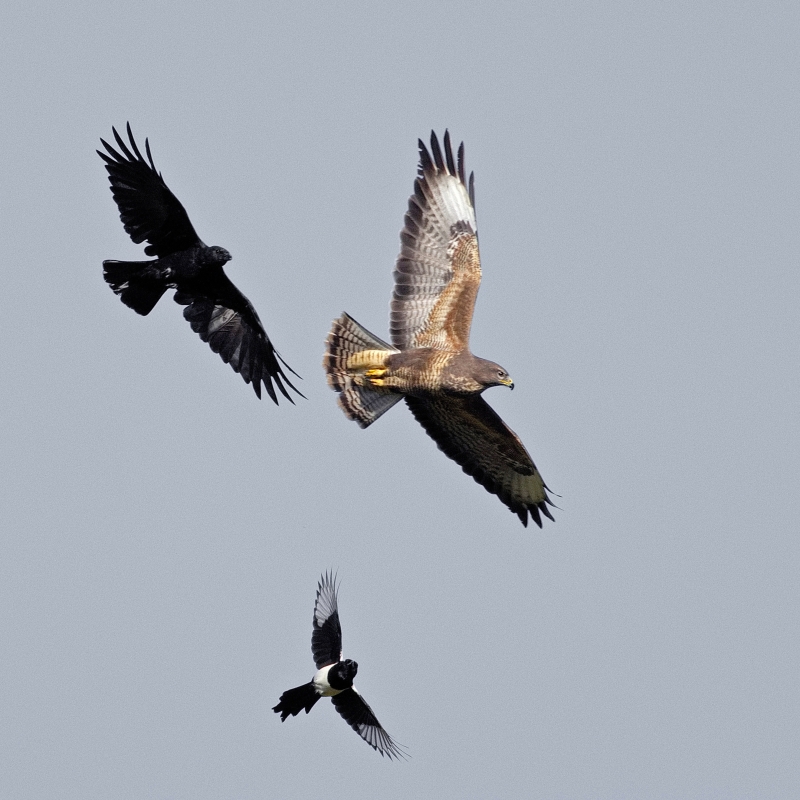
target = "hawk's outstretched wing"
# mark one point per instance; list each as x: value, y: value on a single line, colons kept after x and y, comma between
x: 438, y: 271
x: 326, y: 640
x: 470, y: 432
x: 148, y: 209
x: 359, y: 716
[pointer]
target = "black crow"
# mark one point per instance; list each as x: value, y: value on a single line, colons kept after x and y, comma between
x: 215, y: 308
x: 334, y: 677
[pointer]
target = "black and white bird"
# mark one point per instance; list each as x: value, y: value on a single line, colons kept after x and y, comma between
x: 334, y: 677
x: 215, y: 308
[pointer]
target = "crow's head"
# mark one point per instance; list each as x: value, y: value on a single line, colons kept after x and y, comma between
x: 217, y: 256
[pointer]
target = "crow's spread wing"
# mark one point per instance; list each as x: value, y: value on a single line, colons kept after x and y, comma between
x: 226, y: 319
x: 358, y: 715
x: 326, y: 640
x: 148, y: 209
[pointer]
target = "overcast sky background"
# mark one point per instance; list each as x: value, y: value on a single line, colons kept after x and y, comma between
x: 637, y: 201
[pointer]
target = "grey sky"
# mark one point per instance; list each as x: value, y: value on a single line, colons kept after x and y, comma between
x: 636, y: 179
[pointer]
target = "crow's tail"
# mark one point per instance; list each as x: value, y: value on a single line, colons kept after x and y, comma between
x: 137, y: 283
x: 293, y: 701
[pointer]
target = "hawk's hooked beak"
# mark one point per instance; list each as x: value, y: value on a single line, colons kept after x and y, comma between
x: 508, y: 382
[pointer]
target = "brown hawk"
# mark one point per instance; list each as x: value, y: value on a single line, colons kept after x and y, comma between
x: 429, y: 364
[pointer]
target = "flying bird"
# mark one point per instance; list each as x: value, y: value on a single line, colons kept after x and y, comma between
x: 334, y: 677
x: 215, y: 308
x: 429, y: 363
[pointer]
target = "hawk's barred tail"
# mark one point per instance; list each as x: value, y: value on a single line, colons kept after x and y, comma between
x: 359, y: 400
x: 293, y: 701
x: 129, y: 279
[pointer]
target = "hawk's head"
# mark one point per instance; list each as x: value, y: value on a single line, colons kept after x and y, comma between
x: 487, y: 374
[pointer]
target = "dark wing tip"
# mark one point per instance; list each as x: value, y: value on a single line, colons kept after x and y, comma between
x: 438, y: 160
x: 437, y: 153
x: 150, y: 156
x: 134, y: 145
x: 279, y: 376
x: 535, y: 511
x: 448, y: 154
x: 130, y: 152
x: 121, y: 143
x: 425, y: 161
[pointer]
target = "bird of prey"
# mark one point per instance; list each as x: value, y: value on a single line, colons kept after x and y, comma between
x: 215, y: 308
x: 429, y: 364
x: 334, y: 677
